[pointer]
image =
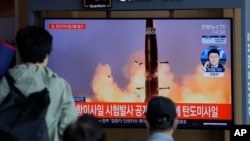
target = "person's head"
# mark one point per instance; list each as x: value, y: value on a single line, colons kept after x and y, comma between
x: 34, y: 44
x: 86, y: 128
x: 161, y: 115
x: 214, y: 57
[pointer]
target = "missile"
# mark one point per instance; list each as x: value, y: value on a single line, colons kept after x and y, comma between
x: 151, y: 61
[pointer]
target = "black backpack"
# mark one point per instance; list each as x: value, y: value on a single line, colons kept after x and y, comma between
x: 23, y: 118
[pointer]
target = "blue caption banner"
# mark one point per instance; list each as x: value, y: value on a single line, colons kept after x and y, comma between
x: 79, y: 99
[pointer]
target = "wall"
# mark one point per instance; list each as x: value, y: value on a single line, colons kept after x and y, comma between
x: 7, y: 20
x: 7, y: 28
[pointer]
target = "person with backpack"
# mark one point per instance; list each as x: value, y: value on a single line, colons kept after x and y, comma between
x: 31, y: 76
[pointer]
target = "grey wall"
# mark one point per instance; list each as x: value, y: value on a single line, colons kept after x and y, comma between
x: 7, y: 28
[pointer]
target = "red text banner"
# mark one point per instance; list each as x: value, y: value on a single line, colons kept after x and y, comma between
x: 67, y: 26
x: 138, y: 110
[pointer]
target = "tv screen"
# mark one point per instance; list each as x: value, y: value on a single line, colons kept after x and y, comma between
x: 115, y: 66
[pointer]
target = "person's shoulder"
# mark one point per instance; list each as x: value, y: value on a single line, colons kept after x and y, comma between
x: 50, y: 73
x: 56, y: 79
x: 160, y: 136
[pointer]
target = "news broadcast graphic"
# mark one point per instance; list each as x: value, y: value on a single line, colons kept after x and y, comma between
x: 213, y: 59
x: 115, y: 66
x: 240, y: 133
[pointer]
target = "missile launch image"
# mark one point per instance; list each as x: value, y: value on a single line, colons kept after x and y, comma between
x: 114, y: 67
x: 133, y: 60
x: 151, y: 61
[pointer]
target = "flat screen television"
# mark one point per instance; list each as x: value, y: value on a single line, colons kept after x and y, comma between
x: 115, y: 66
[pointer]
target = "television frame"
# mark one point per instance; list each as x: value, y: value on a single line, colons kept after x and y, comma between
x: 180, y: 126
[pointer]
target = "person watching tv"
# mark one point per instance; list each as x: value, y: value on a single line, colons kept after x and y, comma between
x: 34, y: 46
x: 161, y: 119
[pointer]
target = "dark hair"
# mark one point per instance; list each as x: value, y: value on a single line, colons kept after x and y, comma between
x: 6, y: 136
x: 214, y: 50
x: 86, y: 128
x: 33, y: 44
x: 161, y: 113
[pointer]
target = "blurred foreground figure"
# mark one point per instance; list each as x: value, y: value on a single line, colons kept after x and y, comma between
x: 86, y: 128
x: 34, y: 45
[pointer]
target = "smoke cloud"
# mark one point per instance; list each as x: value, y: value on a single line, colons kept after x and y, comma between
x: 194, y: 88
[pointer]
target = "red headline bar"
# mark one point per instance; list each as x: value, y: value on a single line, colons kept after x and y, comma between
x: 67, y: 26
x: 137, y: 110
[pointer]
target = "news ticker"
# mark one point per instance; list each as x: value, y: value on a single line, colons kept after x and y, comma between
x: 240, y: 133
